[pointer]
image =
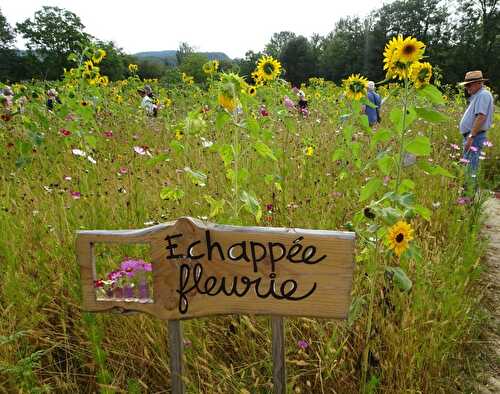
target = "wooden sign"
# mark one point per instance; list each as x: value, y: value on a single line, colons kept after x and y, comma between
x: 201, y: 269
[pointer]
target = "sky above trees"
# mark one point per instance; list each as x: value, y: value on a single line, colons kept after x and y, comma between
x: 225, y: 26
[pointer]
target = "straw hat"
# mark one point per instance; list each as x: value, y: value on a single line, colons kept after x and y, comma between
x: 473, y: 76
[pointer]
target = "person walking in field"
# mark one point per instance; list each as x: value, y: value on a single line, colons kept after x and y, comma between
x: 476, y: 120
x: 373, y: 113
x: 147, y: 102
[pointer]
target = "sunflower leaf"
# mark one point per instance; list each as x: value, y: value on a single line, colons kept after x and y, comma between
x: 431, y: 93
x: 370, y: 188
x: 419, y: 146
x: 399, y: 277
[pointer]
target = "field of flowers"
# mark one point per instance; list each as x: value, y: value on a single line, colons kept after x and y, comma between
x: 239, y: 153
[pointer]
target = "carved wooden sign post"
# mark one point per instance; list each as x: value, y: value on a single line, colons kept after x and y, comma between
x: 202, y: 269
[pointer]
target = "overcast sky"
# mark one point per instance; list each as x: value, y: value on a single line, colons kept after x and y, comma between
x: 229, y: 26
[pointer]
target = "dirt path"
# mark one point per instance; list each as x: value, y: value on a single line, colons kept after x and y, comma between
x: 492, y: 281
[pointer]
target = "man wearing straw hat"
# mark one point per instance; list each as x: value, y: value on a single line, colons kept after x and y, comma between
x: 477, y: 118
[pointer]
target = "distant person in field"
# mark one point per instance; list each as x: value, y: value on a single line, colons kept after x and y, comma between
x: 373, y: 113
x: 52, y: 98
x: 476, y: 120
x: 6, y: 101
x: 147, y: 101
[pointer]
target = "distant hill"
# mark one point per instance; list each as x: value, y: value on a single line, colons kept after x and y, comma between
x: 169, y: 56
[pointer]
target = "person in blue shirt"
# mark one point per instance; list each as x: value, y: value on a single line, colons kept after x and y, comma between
x: 477, y: 118
x: 373, y: 113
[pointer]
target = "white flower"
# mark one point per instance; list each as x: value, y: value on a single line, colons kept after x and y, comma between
x: 78, y: 152
x: 92, y: 160
x: 139, y: 150
x: 205, y: 143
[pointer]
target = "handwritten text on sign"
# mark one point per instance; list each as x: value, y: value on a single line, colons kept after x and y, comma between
x: 205, y: 269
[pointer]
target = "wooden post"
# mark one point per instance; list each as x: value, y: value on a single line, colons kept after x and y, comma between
x: 175, y: 346
x: 279, y: 367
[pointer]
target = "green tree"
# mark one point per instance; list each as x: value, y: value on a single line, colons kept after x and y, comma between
x: 298, y: 60
x: 50, y: 37
x: 278, y: 42
x: 248, y: 64
x: 184, y: 50
x: 192, y: 65
x: 151, y: 68
x: 115, y: 63
x: 6, y: 33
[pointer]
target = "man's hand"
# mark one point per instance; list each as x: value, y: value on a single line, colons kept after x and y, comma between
x: 468, y: 143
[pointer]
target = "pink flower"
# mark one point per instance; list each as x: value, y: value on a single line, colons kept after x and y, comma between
x: 123, y: 170
x: 142, y: 150
x: 108, y: 134
x: 269, y: 207
x: 67, y: 178
x: 473, y: 149
x: 464, y: 160
x: 304, y: 111
x: 65, y: 132
x: 488, y: 144
x: 455, y: 146
x: 75, y: 195
x: 70, y: 117
x: 387, y: 178
x: 303, y: 344
x: 463, y: 200
x: 288, y: 102
x: 263, y: 110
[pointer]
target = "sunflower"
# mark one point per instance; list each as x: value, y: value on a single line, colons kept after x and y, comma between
x: 103, y: 80
x: 355, y: 86
x: 399, y: 54
x: 252, y: 90
x: 167, y: 102
x: 258, y: 79
x: 98, y: 56
x: 268, y: 68
x: 420, y: 74
x: 309, y: 151
x: 410, y: 50
x: 88, y: 65
x: 133, y: 68
x: 211, y: 67
x: 187, y: 79
x: 399, y: 236
x: 227, y: 102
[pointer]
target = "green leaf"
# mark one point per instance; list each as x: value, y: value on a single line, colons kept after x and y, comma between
x: 251, y: 204
x: 423, y: 211
x: 434, y: 170
x: 370, y: 188
x: 431, y: 115
x: 168, y: 193
x: 338, y: 154
x: 381, y: 135
x: 227, y: 154
x: 385, y: 164
x: 438, y: 170
x: 198, y: 178
x: 264, y: 150
x: 398, y: 117
x: 390, y: 215
x: 221, y: 119
x: 406, y: 185
x: 419, y: 146
x: 253, y: 127
x: 91, y: 141
x: 290, y: 125
x: 363, y: 119
x: 367, y: 102
x: 157, y: 159
x: 176, y: 146
x: 432, y: 93
x: 400, y: 278
x: 216, y: 206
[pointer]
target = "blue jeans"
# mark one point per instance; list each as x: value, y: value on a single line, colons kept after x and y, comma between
x: 472, y: 156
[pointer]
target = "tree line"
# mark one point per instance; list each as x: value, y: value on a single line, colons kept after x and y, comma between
x: 460, y: 35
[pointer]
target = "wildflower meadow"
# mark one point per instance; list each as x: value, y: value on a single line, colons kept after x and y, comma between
x: 240, y: 151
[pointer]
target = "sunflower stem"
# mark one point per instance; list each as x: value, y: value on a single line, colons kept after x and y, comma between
x: 403, y: 132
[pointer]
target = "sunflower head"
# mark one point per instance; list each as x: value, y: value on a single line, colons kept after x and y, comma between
x: 355, y: 86
x: 410, y: 50
x: 420, y: 74
x: 211, y: 67
x: 399, y: 237
x: 399, y: 54
x: 268, y: 68
x: 133, y: 68
x: 88, y: 65
x: 98, y: 56
x: 251, y: 90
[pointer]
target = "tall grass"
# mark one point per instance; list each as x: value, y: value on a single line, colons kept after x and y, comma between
x: 423, y: 341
